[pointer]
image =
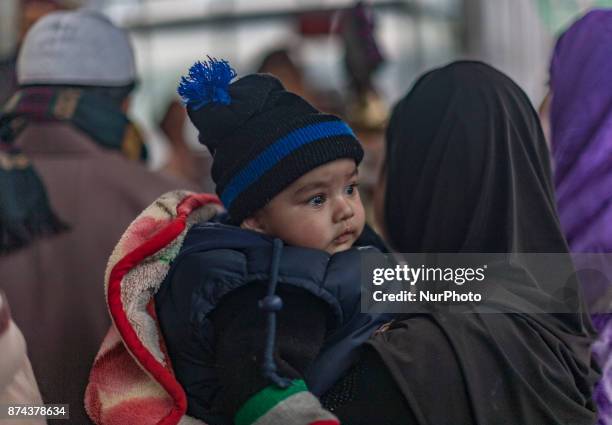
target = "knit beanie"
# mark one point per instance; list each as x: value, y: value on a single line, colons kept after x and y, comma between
x: 261, y: 136
x: 76, y: 48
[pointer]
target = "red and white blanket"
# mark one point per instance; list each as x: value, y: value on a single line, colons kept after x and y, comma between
x: 131, y: 381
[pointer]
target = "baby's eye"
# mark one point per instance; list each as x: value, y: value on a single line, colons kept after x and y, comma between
x: 350, y: 189
x: 317, y: 201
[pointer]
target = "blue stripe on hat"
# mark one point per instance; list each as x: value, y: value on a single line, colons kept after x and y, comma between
x: 274, y: 153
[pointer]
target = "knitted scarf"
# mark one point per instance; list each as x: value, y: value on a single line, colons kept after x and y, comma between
x: 25, y: 213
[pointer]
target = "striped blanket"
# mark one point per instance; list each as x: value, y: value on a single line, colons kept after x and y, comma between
x: 131, y: 381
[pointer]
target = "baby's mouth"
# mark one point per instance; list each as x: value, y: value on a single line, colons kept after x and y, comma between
x: 344, y: 237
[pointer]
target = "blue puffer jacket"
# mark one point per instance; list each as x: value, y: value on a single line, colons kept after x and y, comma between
x: 216, y: 259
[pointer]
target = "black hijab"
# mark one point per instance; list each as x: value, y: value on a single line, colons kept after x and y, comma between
x: 467, y: 171
x: 468, y: 167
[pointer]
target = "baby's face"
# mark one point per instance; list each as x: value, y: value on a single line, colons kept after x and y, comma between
x: 321, y: 209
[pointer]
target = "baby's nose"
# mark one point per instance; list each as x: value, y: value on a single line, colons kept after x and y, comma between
x: 344, y: 210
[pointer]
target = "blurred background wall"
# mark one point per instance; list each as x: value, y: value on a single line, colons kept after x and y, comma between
x: 412, y: 35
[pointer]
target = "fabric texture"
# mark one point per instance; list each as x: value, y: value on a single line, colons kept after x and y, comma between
x: 264, y: 138
x: 98, y: 117
x: 241, y: 335
x: 132, y: 380
x: 55, y: 283
x: 368, y: 394
x: 469, y: 172
x: 207, y: 309
x: 76, y: 48
x: 8, y: 77
x: 25, y: 218
x: 293, y: 405
x: 581, y: 132
x: 17, y: 381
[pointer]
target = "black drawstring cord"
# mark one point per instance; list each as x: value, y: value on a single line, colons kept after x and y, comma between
x: 270, y: 304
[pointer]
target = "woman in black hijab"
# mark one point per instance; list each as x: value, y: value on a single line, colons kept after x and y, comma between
x: 467, y: 171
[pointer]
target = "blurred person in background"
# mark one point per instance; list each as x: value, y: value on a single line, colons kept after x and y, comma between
x: 187, y: 162
x: 9, y: 29
x: 17, y: 382
x: 366, y: 111
x: 71, y: 169
x: 16, y: 18
x: 362, y: 59
x: 280, y: 63
x: 577, y: 112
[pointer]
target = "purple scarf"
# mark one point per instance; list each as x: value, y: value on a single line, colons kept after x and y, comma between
x: 581, y: 129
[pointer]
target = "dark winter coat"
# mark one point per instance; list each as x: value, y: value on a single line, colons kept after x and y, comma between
x: 226, y: 266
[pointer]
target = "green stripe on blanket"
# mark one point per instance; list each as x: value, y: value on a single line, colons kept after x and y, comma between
x: 277, y: 406
x: 265, y: 400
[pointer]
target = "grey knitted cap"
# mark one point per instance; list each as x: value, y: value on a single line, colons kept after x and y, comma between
x: 76, y: 48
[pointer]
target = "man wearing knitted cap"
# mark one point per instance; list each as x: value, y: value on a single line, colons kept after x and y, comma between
x: 71, y: 179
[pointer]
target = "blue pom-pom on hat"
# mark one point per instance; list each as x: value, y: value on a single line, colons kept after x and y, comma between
x: 261, y: 137
x: 206, y: 83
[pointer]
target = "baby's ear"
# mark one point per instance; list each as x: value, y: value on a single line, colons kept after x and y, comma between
x: 253, y: 223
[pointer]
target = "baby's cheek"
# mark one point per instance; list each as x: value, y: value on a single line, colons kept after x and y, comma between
x: 308, y: 235
x: 315, y: 239
x: 359, y: 215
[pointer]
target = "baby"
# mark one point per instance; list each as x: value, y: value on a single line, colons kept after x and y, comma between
x: 321, y: 209
x: 246, y: 318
